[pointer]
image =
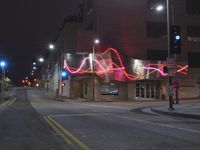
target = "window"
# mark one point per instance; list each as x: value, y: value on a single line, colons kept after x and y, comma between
x: 153, y: 54
x: 109, y: 89
x: 193, y: 59
x: 148, y: 90
x: 193, y: 33
x: 193, y: 7
x: 90, y: 26
x: 156, y: 29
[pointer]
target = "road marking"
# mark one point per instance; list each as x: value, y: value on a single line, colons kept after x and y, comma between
x: 158, y: 124
x: 58, y: 132
x: 69, y: 138
x: 103, y: 106
x: 127, y: 118
x: 77, y: 115
x: 9, y: 102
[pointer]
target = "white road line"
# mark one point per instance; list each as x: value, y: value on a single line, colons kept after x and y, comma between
x: 131, y: 119
x: 103, y: 106
x: 158, y: 124
x: 77, y: 115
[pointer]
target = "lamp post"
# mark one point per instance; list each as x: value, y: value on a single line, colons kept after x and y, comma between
x: 170, y: 83
x: 2, y: 64
x: 42, y: 60
x: 96, y: 41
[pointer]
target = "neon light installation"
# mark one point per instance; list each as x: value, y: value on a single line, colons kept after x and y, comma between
x: 106, y: 69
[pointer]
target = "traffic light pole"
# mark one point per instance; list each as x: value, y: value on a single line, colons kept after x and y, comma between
x: 170, y: 86
x: 175, y: 56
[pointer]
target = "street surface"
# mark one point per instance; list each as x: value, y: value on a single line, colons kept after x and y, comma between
x: 32, y: 122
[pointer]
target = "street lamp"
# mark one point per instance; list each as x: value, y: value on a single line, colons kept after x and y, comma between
x: 170, y: 87
x: 159, y: 7
x: 2, y: 64
x: 95, y: 42
x: 51, y: 46
x: 41, y: 59
x: 46, y: 77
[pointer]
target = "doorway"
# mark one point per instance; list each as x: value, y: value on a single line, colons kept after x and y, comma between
x: 147, y: 90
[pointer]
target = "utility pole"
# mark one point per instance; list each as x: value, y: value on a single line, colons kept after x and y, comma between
x: 170, y: 86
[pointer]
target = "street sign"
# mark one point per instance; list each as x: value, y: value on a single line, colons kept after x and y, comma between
x: 171, y: 72
x: 171, y: 63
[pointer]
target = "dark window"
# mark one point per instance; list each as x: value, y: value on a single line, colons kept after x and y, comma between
x: 90, y: 26
x: 193, y: 33
x: 193, y: 59
x: 193, y: 7
x: 153, y: 54
x: 156, y: 29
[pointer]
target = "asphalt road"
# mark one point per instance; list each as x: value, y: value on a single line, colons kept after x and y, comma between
x: 22, y: 128
x: 35, y: 122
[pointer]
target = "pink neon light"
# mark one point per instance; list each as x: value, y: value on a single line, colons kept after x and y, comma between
x: 120, y: 68
x: 152, y: 68
x: 183, y: 68
x: 79, y: 69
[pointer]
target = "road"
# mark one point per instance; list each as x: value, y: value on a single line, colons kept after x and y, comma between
x: 34, y: 122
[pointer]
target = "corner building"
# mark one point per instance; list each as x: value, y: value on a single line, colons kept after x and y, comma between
x: 139, y: 33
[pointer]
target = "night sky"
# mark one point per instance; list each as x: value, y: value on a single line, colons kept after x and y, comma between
x: 26, y: 28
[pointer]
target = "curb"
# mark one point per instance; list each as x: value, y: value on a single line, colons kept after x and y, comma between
x: 177, y: 114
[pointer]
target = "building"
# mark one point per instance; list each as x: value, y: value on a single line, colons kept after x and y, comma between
x: 139, y: 34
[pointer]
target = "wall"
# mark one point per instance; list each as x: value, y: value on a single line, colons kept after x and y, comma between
x: 122, y: 95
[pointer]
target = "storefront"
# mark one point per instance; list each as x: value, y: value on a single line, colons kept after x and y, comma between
x: 147, y: 90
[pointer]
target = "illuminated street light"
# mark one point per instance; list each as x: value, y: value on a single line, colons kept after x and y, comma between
x: 96, y: 42
x: 34, y: 68
x: 170, y: 84
x: 34, y: 63
x: 159, y: 8
x: 41, y: 59
x: 51, y: 46
x: 2, y: 64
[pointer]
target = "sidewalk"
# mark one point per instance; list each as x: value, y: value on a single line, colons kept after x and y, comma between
x: 188, y: 110
x: 7, y: 94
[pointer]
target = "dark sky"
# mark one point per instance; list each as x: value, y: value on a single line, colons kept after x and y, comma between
x: 26, y: 28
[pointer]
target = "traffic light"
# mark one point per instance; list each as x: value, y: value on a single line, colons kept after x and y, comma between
x: 64, y: 75
x: 175, y: 39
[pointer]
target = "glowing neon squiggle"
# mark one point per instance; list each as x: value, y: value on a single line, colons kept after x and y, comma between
x: 115, y: 67
x: 152, y: 68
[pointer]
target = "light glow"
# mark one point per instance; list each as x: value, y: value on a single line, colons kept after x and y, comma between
x: 103, y: 68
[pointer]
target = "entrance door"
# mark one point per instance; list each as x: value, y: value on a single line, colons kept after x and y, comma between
x: 148, y: 90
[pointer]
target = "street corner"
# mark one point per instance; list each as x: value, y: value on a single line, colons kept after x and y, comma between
x: 180, y: 111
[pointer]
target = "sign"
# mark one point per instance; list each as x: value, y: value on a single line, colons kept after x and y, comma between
x: 171, y: 72
x: 171, y: 63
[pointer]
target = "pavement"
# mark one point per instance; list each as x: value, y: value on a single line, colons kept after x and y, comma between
x: 187, y: 109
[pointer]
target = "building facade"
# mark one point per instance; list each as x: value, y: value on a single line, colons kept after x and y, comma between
x: 134, y: 68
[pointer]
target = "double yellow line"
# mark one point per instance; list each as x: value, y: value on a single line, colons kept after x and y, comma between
x: 9, y: 102
x: 67, y: 137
